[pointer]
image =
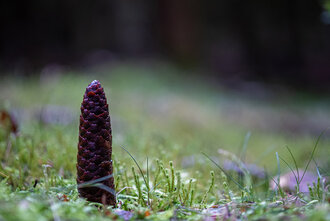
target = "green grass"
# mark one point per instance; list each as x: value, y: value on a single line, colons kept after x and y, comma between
x: 166, y: 122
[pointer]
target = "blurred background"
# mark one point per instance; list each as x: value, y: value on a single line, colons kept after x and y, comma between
x: 278, y: 42
x: 181, y: 76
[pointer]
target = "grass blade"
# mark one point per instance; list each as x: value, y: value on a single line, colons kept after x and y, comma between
x: 245, y: 144
x: 95, y: 183
x: 278, y: 168
x: 89, y: 183
x: 294, y: 160
x: 278, y: 187
x: 142, y: 174
x: 104, y: 187
x: 148, y: 181
x: 313, y: 152
x: 230, y: 177
x: 295, y: 176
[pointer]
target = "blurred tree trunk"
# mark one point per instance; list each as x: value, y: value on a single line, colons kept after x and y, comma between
x: 179, y: 29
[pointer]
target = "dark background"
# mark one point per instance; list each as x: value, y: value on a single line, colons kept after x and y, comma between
x: 282, y: 41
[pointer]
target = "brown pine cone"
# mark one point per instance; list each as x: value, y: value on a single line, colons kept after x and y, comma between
x: 95, y: 147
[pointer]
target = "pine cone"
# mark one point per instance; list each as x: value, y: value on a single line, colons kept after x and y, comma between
x: 95, y: 146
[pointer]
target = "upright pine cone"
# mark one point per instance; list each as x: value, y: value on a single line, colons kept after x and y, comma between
x: 95, y: 146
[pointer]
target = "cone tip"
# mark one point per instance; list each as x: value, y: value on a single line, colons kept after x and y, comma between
x: 94, y: 82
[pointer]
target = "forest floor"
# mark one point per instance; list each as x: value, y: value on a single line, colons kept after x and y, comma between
x: 206, y: 152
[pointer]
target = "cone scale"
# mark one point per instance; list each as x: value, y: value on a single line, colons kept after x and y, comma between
x: 95, y: 147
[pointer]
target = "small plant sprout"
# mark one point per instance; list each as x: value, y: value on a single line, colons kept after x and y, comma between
x: 209, y: 189
x: 94, y: 164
